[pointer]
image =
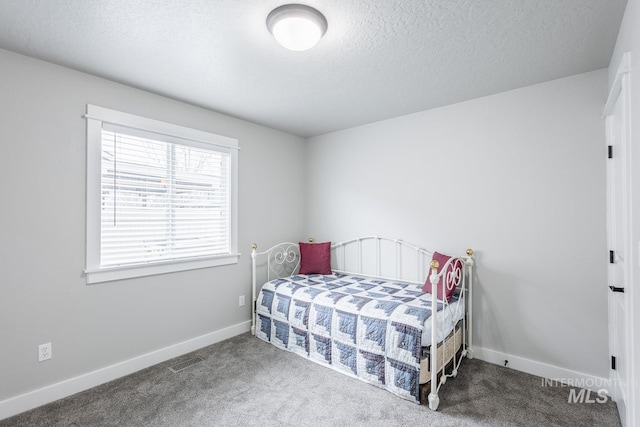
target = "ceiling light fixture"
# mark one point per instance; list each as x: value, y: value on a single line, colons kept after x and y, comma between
x: 296, y: 26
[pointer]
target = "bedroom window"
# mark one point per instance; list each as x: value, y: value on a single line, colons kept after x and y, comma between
x: 160, y: 197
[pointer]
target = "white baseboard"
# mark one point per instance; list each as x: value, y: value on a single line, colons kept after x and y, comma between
x: 556, y: 374
x: 44, y: 395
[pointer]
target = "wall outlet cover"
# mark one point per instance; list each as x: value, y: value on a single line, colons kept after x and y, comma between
x: 44, y: 352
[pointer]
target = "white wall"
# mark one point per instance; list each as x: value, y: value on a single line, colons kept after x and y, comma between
x: 43, y: 295
x: 520, y: 178
x: 629, y: 41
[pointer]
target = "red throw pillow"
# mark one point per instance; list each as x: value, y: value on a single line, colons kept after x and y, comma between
x: 451, y: 276
x: 315, y: 258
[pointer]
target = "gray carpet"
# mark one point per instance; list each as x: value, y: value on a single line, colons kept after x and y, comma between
x: 244, y: 381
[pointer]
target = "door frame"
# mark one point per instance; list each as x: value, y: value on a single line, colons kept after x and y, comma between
x: 621, y: 88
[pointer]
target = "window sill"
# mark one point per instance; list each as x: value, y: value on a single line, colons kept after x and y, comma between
x: 119, y: 273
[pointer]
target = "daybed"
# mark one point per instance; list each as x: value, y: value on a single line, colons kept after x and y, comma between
x: 364, y: 308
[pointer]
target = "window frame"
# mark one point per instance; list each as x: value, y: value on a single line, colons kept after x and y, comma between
x: 95, y: 117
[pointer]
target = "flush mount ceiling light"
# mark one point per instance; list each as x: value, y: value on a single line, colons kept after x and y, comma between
x: 296, y: 26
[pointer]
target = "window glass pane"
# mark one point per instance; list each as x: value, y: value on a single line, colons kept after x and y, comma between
x: 162, y: 201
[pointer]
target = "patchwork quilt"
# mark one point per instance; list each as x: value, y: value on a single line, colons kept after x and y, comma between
x: 367, y: 328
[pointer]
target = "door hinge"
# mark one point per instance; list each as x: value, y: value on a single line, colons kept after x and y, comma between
x: 613, y: 363
x: 616, y: 289
x: 612, y: 256
x: 610, y: 151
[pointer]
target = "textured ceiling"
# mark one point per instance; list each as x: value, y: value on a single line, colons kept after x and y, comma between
x: 379, y: 58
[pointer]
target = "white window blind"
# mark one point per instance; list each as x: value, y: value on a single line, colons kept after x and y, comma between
x: 161, y: 200
x: 160, y: 197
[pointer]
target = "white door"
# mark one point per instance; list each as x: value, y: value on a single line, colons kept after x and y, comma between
x: 618, y: 238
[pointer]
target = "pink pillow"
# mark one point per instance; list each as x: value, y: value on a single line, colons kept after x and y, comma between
x: 315, y: 258
x: 452, y: 276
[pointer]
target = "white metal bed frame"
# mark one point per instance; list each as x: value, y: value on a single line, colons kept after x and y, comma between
x: 283, y: 260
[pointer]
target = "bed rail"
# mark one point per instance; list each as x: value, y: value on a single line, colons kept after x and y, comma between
x: 383, y: 257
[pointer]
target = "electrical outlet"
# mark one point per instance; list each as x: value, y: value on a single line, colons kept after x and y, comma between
x: 44, y: 352
x: 241, y: 301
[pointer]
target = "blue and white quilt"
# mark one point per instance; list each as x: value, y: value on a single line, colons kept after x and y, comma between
x: 367, y: 328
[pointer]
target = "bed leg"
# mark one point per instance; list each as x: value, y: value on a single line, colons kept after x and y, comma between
x: 469, y: 353
x: 254, y: 254
x: 434, y: 401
